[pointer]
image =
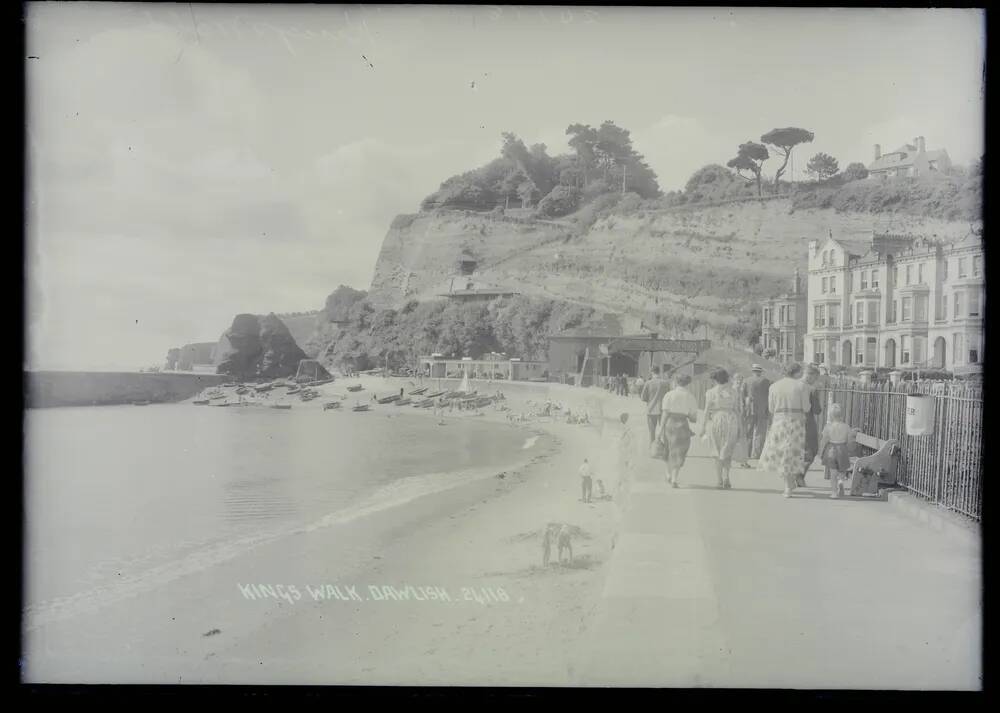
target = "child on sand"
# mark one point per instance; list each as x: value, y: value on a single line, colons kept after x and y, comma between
x: 586, y: 480
x: 834, y: 445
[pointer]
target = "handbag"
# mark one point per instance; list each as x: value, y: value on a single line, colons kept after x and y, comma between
x: 657, y: 449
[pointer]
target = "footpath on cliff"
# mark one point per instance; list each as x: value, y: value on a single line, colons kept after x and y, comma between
x: 744, y: 588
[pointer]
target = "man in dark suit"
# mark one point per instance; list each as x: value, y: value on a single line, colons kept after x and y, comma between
x: 652, y: 394
x: 760, y: 418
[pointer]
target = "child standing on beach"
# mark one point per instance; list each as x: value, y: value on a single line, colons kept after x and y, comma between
x: 586, y: 480
x: 833, y: 447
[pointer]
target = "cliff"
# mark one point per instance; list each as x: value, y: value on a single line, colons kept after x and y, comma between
x: 710, y: 264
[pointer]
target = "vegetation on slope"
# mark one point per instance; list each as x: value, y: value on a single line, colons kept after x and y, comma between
x: 518, y: 326
x: 603, y: 161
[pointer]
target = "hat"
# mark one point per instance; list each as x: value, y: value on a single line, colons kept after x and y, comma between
x: 756, y: 367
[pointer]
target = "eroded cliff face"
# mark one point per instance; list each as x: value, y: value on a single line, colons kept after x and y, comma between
x: 710, y: 264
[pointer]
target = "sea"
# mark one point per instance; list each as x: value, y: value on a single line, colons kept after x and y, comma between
x: 119, y: 499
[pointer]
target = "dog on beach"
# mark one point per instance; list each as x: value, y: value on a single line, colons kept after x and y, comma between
x: 559, y: 534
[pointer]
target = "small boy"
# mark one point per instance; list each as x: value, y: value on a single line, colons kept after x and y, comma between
x: 586, y: 480
x: 833, y: 446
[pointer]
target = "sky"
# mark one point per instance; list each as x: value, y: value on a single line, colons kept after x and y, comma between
x: 187, y: 163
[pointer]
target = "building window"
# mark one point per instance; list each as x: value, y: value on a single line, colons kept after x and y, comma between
x: 940, y: 307
x: 973, y: 303
x: 961, y: 267
x: 904, y: 349
x: 833, y: 285
x: 973, y: 349
x: 818, y: 316
x: 920, y: 305
x: 920, y: 274
x: 873, y: 312
x: 976, y: 265
x: 864, y: 279
x: 956, y: 309
x: 834, y: 315
x: 822, y: 288
x: 874, y: 279
x: 818, y: 350
x: 907, y: 309
x: 918, y: 351
x: 909, y: 274
x: 957, y: 345
x: 859, y: 354
x: 859, y: 317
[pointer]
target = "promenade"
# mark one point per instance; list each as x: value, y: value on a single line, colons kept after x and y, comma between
x: 744, y: 588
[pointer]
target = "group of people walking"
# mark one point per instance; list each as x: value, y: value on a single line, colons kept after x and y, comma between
x: 773, y: 423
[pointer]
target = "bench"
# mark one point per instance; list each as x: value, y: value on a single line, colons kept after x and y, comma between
x: 869, y: 475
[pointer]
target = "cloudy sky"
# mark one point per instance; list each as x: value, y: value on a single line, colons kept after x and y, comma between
x: 190, y: 162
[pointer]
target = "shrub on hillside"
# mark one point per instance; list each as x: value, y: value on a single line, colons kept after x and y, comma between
x: 560, y: 201
x: 939, y: 196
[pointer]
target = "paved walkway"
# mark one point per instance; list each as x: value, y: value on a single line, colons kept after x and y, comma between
x: 744, y: 588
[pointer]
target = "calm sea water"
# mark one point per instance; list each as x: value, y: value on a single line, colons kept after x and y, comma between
x: 116, y: 496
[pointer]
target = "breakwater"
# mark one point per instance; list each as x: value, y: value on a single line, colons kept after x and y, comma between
x: 99, y: 388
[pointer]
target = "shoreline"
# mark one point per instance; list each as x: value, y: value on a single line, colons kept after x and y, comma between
x: 484, y: 532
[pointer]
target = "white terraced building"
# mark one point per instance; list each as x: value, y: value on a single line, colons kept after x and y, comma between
x: 896, y: 302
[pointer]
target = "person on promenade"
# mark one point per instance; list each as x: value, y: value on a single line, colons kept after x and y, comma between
x: 742, y: 452
x: 679, y: 407
x: 760, y: 417
x: 638, y: 386
x: 586, y: 480
x: 833, y: 448
x: 809, y: 378
x: 722, y: 424
x: 652, y: 394
x: 784, y: 449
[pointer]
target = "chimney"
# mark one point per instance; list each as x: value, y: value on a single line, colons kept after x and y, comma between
x: 878, y: 152
x: 920, y: 144
x: 796, y: 283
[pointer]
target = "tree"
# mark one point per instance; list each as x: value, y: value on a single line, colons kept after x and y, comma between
x: 855, y: 171
x: 822, y: 166
x: 750, y: 157
x: 783, y: 141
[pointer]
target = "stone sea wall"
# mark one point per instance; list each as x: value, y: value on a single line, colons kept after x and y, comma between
x: 82, y: 388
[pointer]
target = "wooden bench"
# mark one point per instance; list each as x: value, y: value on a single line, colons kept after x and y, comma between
x: 869, y: 475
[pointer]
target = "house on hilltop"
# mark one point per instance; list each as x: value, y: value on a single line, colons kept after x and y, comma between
x: 908, y: 160
x: 783, y: 323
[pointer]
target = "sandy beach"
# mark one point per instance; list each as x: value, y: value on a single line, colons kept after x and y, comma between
x: 446, y: 588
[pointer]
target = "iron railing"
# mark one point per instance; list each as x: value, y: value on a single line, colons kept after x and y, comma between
x: 945, y: 467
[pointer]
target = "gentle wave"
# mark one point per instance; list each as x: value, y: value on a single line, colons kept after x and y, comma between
x: 392, y: 495
x: 529, y: 443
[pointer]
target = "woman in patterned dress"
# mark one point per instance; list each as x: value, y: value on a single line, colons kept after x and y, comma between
x: 784, y: 449
x: 679, y: 408
x: 722, y: 424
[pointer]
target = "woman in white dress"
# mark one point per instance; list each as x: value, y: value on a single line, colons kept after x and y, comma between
x: 722, y: 424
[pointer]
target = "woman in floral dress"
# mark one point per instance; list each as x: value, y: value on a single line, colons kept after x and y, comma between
x: 722, y: 424
x: 784, y: 449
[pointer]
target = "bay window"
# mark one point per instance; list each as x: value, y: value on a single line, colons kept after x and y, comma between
x: 907, y: 309
x: 973, y: 303
x: 859, y: 316
x: 904, y: 349
x: 834, y: 316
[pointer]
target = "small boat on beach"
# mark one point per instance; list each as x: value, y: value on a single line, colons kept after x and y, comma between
x: 388, y: 399
x: 403, y: 402
x: 418, y: 392
x: 329, y: 406
x: 283, y: 407
x: 356, y: 387
x: 201, y: 402
x: 434, y: 394
x: 320, y: 382
x: 361, y: 407
x: 216, y: 397
x: 426, y: 403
